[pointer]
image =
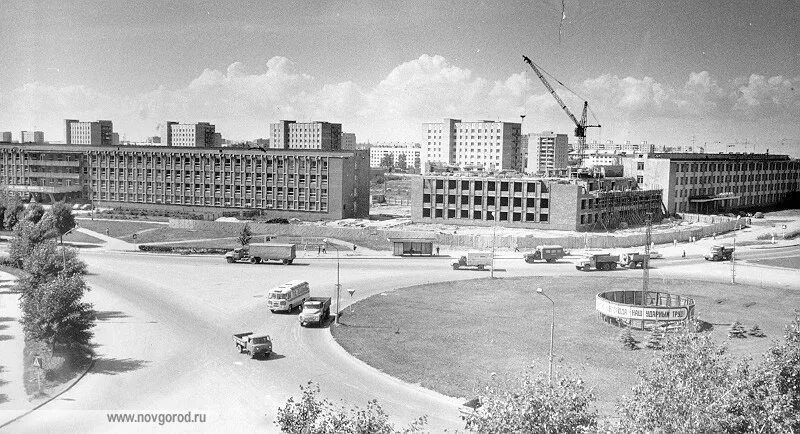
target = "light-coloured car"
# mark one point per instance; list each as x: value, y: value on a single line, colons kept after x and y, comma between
x: 655, y: 254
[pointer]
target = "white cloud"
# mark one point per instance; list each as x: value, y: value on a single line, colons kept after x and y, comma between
x: 242, y: 102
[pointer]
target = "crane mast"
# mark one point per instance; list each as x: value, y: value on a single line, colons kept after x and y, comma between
x: 580, y: 126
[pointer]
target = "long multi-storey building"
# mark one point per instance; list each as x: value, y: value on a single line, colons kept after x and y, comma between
x: 712, y: 183
x: 483, y: 145
x: 547, y: 151
x: 31, y: 137
x: 532, y: 202
x: 411, y: 153
x: 99, y: 133
x: 197, y: 135
x: 323, y: 136
x: 625, y: 147
x: 309, y: 185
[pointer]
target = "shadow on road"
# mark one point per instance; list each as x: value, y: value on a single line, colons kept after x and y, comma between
x: 3, y: 326
x: 6, y: 319
x: 3, y: 398
x: 6, y: 337
x: 117, y: 366
x: 105, y: 315
x: 272, y: 356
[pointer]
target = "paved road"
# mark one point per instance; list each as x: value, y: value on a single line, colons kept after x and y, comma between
x: 165, y: 340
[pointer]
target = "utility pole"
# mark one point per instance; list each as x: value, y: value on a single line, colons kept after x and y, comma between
x: 646, y: 263
x: 494, y: 235
x: 733, y: 261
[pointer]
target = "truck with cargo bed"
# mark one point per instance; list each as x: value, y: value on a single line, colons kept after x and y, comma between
x: 597, y: 261
x: 479, y: 260
x: 316, y: 310
x: 632, y: 259
x: 719, y: 253
x: 255, y: 344
x: 256, y: 253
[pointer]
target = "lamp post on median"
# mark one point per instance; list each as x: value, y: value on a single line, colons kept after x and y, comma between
x: 552, y: 334
x: 338, y: 285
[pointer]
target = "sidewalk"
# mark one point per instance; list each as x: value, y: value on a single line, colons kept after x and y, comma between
x: 13, y: 399
x: 111, y: 242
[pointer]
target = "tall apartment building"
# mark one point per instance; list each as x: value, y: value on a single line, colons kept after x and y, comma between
x: 626, y: 147
x: 5, y: 136
x: 320, y: 135
x: 309, y: 185
x: 31, y: 137
x: 598, y: 158
x: 712, y: 183
x: 411, y: 154
x: 480, y: 145
x: 532, y: 202
x: 197, y: 135
x: 99, y: 133
x: 547, y: 151
x: 349, y: 141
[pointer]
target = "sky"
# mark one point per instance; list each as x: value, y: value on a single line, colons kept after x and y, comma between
x: 724, y: 75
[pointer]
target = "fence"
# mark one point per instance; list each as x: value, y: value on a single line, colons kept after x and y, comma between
x: 377, y: 238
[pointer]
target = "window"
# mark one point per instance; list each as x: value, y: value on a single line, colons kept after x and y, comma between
x: 545, y: 203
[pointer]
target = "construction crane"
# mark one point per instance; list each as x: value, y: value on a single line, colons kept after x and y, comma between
x: 580, y: 126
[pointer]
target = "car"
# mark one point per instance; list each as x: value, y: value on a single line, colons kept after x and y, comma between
x: 655, y: 254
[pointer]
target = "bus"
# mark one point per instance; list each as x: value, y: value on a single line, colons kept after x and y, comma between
x: 288, y: 296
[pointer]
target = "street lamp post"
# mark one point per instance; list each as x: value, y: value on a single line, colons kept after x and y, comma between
x: 552, y: 335
x: 338, y: 285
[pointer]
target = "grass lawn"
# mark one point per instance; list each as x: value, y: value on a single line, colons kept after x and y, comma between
x: 117, y: 228
x: 451, y: 336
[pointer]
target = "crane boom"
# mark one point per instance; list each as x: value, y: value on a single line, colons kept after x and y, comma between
x: 580, y: 126
x: 550, y: 88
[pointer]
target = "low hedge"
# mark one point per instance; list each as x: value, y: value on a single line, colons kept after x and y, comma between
x: 183, y: 250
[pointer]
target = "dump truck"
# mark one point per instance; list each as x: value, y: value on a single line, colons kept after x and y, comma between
x: 597, y: 261
x: 544, y: 253
x: 479, y: 260
x: 719, y: 253
x: 632, y: 259
x: 256, y: 253
x: 255, y: 344
x: 315, y: 311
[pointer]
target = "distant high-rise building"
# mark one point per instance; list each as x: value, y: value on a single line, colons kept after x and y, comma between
x: 410, y: 154
x: 482, y: 145
x: 114, y: 139
x: 197, y: 135
x: 99, y: 133
x: 349, y: 141
x: 31, y: 137
x: 5, y: 136
x: 626, y: 147
x: 547, y: 151
x: 320, y: 135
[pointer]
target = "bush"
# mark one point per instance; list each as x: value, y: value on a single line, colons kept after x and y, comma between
x: 627, y: 339
x: 736, y: 330
x: 315, y: 415
x: 184, y: 250
x: 533, y: 406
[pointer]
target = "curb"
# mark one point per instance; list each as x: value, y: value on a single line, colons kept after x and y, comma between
x: 774, y: 246
x: 42, y: 404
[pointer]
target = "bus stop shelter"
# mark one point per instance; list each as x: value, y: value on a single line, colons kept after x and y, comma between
x: 409, y: 246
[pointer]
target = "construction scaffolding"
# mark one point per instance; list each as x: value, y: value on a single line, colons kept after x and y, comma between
x: 630, y: 207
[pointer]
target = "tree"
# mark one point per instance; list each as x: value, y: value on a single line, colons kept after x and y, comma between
x: 655, y: 338
x: 12, y: 213
x: 53, y: 312
x: 417, y: 162
x: 736, y: 330
x: 692, y: 387
x: 388, y: 161
x: 65, y: 221
x: 27, y: 235
x: 534, y: 406
x: 47, y: 261
x: 245, y: 235
x: 34, y: 213
x: 627, y: 339
x: 401, y: 161
x: 314, y: 415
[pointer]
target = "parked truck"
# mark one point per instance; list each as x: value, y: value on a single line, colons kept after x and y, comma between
x: 255, y: 253
x: 597, y: 261
x: 479, y: 260
x: 719, y: 253
x: 544, y: 253
x: 255, y: 344
x: 632, y: 259
x: 315, y: 311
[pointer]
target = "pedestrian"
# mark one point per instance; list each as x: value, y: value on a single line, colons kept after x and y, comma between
x: 108, y: 232
x: 354, y: 247
x: 684, y: 254
x: 674, y: 243
x: 324, y: 250
x: 437, y: 250
x: 319, y: 249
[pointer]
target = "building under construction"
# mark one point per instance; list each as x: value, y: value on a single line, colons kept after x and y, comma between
x: 515, y: 200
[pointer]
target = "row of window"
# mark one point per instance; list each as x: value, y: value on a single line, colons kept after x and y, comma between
x: 439, y: 199
x: 452, y: 184
x: 487, y: 215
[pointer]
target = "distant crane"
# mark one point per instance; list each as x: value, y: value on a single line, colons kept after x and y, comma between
x: 580, y: 126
